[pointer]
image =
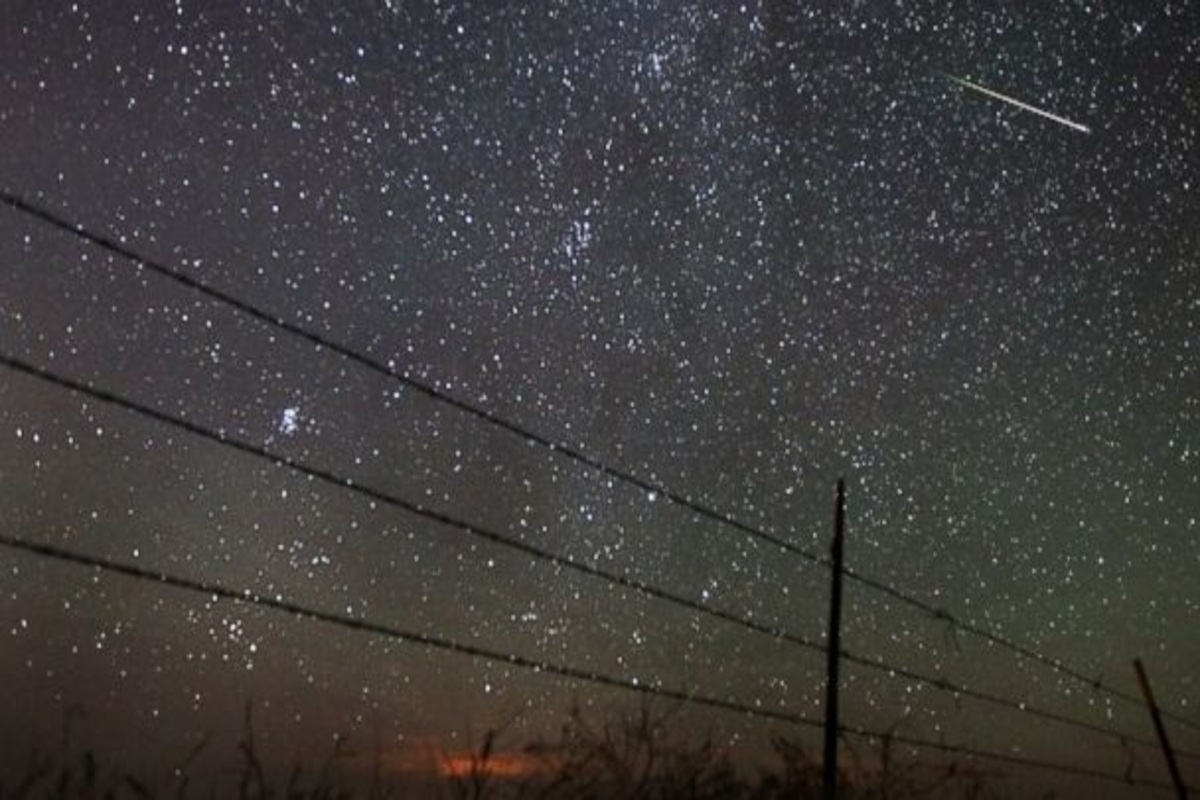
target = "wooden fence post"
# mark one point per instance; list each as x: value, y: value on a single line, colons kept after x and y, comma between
x: 835, y: 643
x: 1176, y: 778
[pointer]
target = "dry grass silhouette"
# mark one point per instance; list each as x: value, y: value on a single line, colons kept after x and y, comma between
x: 645, y: 755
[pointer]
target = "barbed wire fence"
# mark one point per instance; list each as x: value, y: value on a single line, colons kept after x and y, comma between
x: 376, y: 366
x: 212, y: 589
x: 332, y: 477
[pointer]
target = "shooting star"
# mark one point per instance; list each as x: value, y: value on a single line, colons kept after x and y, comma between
x: 1013, y: 101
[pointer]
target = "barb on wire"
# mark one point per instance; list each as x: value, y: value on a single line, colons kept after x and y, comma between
x: 1130, y: 761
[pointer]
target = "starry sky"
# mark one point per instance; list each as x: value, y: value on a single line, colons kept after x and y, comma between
x: 737, y: 250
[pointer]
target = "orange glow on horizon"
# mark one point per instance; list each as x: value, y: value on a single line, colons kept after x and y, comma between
x: 463, y: 764
x: 429, y: 758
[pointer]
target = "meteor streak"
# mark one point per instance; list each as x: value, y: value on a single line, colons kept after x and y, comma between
x: 1013, y: 101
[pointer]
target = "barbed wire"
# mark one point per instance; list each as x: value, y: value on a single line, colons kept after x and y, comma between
x: 213, y: 589
x: 937, y: 613
x: 386, y: 498
x: 341, y: 482
x: 322, y: 342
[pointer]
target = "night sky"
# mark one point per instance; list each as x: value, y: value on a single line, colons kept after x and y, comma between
x: 738, y: 251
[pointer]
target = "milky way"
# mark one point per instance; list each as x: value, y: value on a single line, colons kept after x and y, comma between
x: 737, y: 251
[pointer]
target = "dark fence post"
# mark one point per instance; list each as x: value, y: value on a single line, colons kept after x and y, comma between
x: 1176, y: 778
x: 835, y: 645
